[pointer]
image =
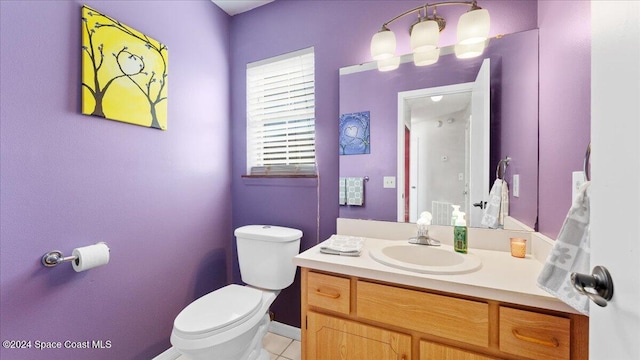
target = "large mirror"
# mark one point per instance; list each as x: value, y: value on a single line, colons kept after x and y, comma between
x: 391, y: 100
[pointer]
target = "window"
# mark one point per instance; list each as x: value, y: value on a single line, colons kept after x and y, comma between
x: 281, y: 115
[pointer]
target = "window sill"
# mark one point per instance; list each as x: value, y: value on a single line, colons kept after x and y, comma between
x: 279, y: 176
x: 281, y: 180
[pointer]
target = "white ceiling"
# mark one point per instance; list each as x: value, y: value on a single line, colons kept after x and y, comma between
x: 233, y: 7
x: 423, y: 109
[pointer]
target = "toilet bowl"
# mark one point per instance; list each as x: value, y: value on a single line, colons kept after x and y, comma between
x: 229, y: 323
x: 224, y: 324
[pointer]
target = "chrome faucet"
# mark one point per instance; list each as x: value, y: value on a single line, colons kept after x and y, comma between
x: 424, y: 240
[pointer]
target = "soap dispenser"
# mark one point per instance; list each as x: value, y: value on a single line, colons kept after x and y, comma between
x: 460, y: 234
x: 454, y: 214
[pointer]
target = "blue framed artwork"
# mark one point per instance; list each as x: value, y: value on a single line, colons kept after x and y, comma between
x: 354, y: 133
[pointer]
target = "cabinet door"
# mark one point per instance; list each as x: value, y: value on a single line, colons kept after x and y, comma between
x: 331, y: 338
x: 433, y: 351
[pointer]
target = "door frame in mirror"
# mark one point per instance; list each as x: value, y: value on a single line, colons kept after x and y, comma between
x: 477, y: 175
x: 403, y: 97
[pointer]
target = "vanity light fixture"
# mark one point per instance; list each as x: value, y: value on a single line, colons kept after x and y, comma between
x: 436, y: 98
x: 472, y: 33
x: 389, y: 64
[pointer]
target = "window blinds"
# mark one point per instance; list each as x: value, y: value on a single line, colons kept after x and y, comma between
x: 281, y: 115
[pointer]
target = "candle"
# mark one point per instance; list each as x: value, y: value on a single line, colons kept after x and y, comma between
x: 518, y: 247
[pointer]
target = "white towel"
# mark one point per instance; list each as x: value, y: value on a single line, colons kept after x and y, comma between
x: 343, y: 245
x: 342, y: 191
x: 504, y: 204
x: 570, y: 253
x: 491, y: 217
x: 355, y: 191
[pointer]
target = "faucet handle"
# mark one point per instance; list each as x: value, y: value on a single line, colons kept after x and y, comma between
x: 424, y: 240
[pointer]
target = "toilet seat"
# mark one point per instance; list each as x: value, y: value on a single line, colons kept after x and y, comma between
x: 218, y: 311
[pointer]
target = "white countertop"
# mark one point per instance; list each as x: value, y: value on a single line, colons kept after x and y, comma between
x: 501, y: 276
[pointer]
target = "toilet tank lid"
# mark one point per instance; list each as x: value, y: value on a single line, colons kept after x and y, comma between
x: 268, y: 233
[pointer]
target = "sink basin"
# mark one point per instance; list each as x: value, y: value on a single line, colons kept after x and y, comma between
x: 426, y: 259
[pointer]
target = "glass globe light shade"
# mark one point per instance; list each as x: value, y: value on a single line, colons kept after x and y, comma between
x: 473, y: 27
x: 389, y: 64
x: 469, y: 51
x: 424, y: 36
x: 383, y: 45
x: 426, y: 58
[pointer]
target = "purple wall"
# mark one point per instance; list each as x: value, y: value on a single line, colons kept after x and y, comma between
x: 565, y: 104
x: 161, y: 200
x: 340, y: 32
x: 514, y: 120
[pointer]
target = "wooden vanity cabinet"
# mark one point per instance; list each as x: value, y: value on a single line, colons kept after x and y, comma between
x: 339, y: 339
x: 430, y: 351
x: 351, y: 318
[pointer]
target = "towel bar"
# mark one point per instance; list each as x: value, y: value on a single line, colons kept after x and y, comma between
x: 502, y: 163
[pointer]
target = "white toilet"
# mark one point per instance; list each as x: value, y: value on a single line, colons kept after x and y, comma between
x: 229, y: 323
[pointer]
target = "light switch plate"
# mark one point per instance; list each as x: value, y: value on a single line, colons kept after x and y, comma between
x: 516, y: 185
x: 389, y: 182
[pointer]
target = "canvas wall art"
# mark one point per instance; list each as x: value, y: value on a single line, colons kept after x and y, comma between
x: 124, y: 72
x: 354, y: 133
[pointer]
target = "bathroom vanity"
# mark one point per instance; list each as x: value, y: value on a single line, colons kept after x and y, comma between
x: 358, y: 308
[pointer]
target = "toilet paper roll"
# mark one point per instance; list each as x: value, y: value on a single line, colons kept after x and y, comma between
x: 90, y: 256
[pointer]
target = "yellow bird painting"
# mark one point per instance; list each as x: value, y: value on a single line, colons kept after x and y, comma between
x: 124, y: 72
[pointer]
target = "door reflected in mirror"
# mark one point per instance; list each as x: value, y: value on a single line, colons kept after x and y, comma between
x: 446, y: 132
x: 434, y: 169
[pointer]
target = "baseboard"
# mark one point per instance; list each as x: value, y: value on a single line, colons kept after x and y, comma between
x: 285, y: 330
x: 169, y: 354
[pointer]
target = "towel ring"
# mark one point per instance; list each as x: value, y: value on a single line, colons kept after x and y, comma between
x: 587, y: 160
x: 503, y: 163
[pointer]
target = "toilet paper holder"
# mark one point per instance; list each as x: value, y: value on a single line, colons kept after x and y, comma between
x: 55, y: 257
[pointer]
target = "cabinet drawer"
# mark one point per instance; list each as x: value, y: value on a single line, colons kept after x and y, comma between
x: 533, y: 335
x: 452, y: 318
x: 328, y: 292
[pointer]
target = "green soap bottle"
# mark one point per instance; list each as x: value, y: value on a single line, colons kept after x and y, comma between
x: 460, y: 234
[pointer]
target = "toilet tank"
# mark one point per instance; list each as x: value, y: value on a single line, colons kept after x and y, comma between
x: 265, y: 255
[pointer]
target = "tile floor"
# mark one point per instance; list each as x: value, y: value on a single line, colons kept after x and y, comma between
x: 281, y: 348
